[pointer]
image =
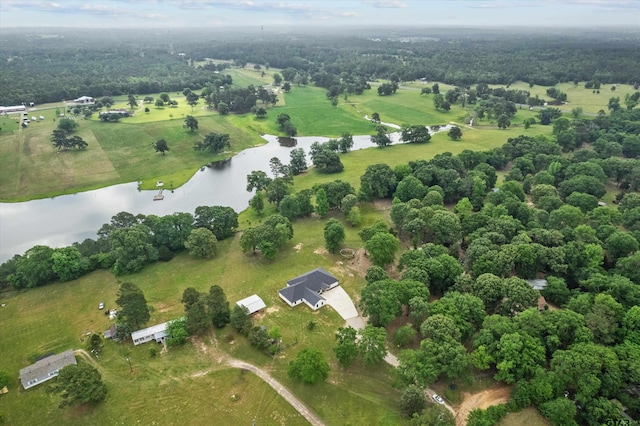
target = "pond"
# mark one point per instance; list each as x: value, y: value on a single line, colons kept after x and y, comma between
x: 63, y: 220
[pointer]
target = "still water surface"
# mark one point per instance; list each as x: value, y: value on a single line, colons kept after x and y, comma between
x: 63, y: 220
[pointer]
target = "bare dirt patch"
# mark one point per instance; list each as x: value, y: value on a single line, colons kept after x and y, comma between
x: 321, y: 251
x: 298, y: 247
x: 360, y: 263
x: 484, y: 399
x: 200, y: 373
x: 272, y: 309
x: 161, y: 307
x: 384, y: 208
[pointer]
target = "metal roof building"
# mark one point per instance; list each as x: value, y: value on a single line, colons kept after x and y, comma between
x: 155, y: 332
x: 252, y: 303
x: 46, y: 369
x: 539, y: 284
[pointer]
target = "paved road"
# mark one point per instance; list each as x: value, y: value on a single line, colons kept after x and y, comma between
x: 282, y: 391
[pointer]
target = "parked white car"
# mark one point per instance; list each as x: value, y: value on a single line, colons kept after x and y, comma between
x: 101, y: 305
x: 438, y: 399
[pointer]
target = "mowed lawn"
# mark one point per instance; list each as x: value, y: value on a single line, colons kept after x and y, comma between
x: 191, y: 385
x: 578, y: 96
x: 30, y: 167
x: 122, y: 152
x: 356, y: 162
x: 405, y: 107
x: 311, y: 113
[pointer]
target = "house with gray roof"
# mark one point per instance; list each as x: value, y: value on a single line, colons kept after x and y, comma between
x: 46, y: 369
x: 308, y: 288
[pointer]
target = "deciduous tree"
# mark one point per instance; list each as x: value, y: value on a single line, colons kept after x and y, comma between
x: 190, y: 123
x: 382, y: 248
x: 161, y: 146
x: 371, y: 345
x: 412, y: 400
x: 133, y: 312
x: 347, y: 349
x: 415, y: 134
x: 218, y: 307
x: 333, y: 235
x: 310, y: 367
x: 79, y: 384
x: 380, y: 302
x: 177, y: 333
x: 455, y: 133
x: 201, y: 243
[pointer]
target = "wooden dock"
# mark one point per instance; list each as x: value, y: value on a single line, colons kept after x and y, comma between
x: 159, y: 196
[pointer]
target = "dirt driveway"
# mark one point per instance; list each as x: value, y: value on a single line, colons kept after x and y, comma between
x: 493, y: 396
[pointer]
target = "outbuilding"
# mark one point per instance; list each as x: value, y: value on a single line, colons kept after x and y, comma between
x: 253, y: 303
x: 538, y: 284
x: 9, y: 109
x: 46, y: 369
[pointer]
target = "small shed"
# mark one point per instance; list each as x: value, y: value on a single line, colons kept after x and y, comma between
x: 46, y: 369
x: 253, y: 303
x: 111, y: 332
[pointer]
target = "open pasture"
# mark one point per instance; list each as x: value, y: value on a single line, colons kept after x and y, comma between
x: 184, y: 380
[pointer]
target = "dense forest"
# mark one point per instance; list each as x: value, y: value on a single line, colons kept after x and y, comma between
x: 47, y: 67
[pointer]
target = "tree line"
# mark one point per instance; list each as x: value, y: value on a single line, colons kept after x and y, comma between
x: 49, y: 70
x: 124, y: 245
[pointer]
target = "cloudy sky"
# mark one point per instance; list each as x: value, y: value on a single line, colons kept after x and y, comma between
x: 278, y: 13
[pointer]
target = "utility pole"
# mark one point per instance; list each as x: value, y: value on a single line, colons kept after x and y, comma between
x: 129, y: 361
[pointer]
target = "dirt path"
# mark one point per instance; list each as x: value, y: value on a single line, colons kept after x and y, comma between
x: 222, y: 357
x: 484, y: 399
x: 280, y: 389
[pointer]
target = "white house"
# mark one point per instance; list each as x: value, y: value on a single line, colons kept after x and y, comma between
x: 9, y: 109
x: 308, y: 288
x: 46, y: 369
x: 156, y: 332
x: 85, y: 100
x: 252, y: 303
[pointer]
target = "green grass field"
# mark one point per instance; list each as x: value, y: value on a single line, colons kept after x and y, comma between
x: 54, y: 318
x: 578, y: 96
x: 528, y: 416
x: 122, y: 152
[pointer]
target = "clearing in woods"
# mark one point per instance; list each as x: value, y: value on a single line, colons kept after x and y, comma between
x: 484, y: 399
